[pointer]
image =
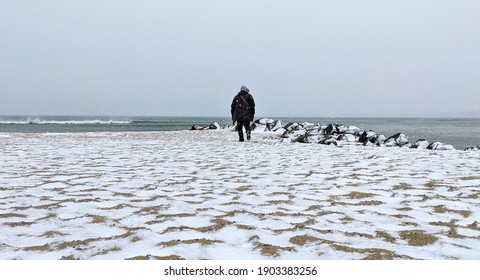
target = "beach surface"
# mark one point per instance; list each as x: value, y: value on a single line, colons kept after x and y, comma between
x: 203, y: 195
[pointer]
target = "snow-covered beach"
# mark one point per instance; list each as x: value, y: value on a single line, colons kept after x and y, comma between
x: 202, y: 195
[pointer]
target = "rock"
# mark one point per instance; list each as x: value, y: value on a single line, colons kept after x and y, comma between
x: 330, y: 129
x: 197, y: 127
x: 307, y: 125
x: 349, y: 138
x: 292, y: 126
x: 440, y: 146
x: 231, y: 127
x: 259, y: 127
x: 368, y: 136
x: 329, y: 141
x: 313, y: 138
x: 398, y: 139
x: 363, y: 137
x: 301, y: 137
x: 433, y: 146
x: 353, y: 130
x: 334, y: 133
x: 369, y: 144
x: 277, y: 125
x: 473, y: 148
x: 265, y: 121
x: 214, y: 125
x: 380, y: 140
x: 341, y: 129
x: 280, y: 130
x: 420, y: 144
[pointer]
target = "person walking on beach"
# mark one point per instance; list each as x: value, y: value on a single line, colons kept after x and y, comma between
x: 243, y: 111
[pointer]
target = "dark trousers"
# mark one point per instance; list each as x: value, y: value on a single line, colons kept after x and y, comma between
x: 240, y: 125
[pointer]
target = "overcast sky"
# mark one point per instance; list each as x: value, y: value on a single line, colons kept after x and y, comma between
x: 189, y: 58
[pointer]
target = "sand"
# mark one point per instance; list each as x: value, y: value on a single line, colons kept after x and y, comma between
x: 202, y: 195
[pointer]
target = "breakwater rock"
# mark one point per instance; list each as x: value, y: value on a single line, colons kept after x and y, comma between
x: 339, y: 135
x: 214, y: 125
x: 335, y: 134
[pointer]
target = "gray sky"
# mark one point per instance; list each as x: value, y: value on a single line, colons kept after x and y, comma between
x: 189, y: 58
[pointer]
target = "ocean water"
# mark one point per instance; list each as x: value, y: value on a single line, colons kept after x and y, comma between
x: 72, y: 124
x: 459, y: 132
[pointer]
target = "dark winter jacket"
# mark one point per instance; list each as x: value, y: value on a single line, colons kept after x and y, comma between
x: 243, y: 106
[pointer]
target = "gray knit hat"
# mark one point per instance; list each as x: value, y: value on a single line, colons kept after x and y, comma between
x: 245, y: 89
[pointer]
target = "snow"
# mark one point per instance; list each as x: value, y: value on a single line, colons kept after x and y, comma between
x: 203, y: 195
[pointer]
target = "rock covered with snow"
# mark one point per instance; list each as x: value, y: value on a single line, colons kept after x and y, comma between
x: 214, y: 125
x: 395, y: 140
x: 473, y: 148
x: 421, y: 144
x: 439, y: 146
x: 334, y: 133
x: 197, y: 127
x: 339, y: 135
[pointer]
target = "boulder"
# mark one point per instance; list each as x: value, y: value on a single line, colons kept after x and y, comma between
x: 341, y: 129
x: 277, y: 125
x: 214, y: 125
x: 368, y: 136
x: 440, y: 146
x: 380, y: 140
x: 307, y: 125
x: 197, y: 127
x: 398, y: 139
x: 280, y: 131
x: 292, y: 127
x: 420, y: 144
x: 259, y: 127
x: 473, y: 148
x: 329, y: 141
x: 330, y: 129
x: 300, y: 137
x: 347, y: 138
x: 353, y: 130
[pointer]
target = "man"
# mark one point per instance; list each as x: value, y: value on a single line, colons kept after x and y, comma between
x: 243, y: 111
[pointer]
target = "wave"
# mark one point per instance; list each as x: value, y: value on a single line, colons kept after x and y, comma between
x: 144, y: 122
x: 71, y: 122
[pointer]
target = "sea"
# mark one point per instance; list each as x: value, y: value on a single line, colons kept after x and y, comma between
x: 458, y: 132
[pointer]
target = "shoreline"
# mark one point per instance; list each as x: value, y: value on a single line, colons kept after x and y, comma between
x: 461, y: 133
